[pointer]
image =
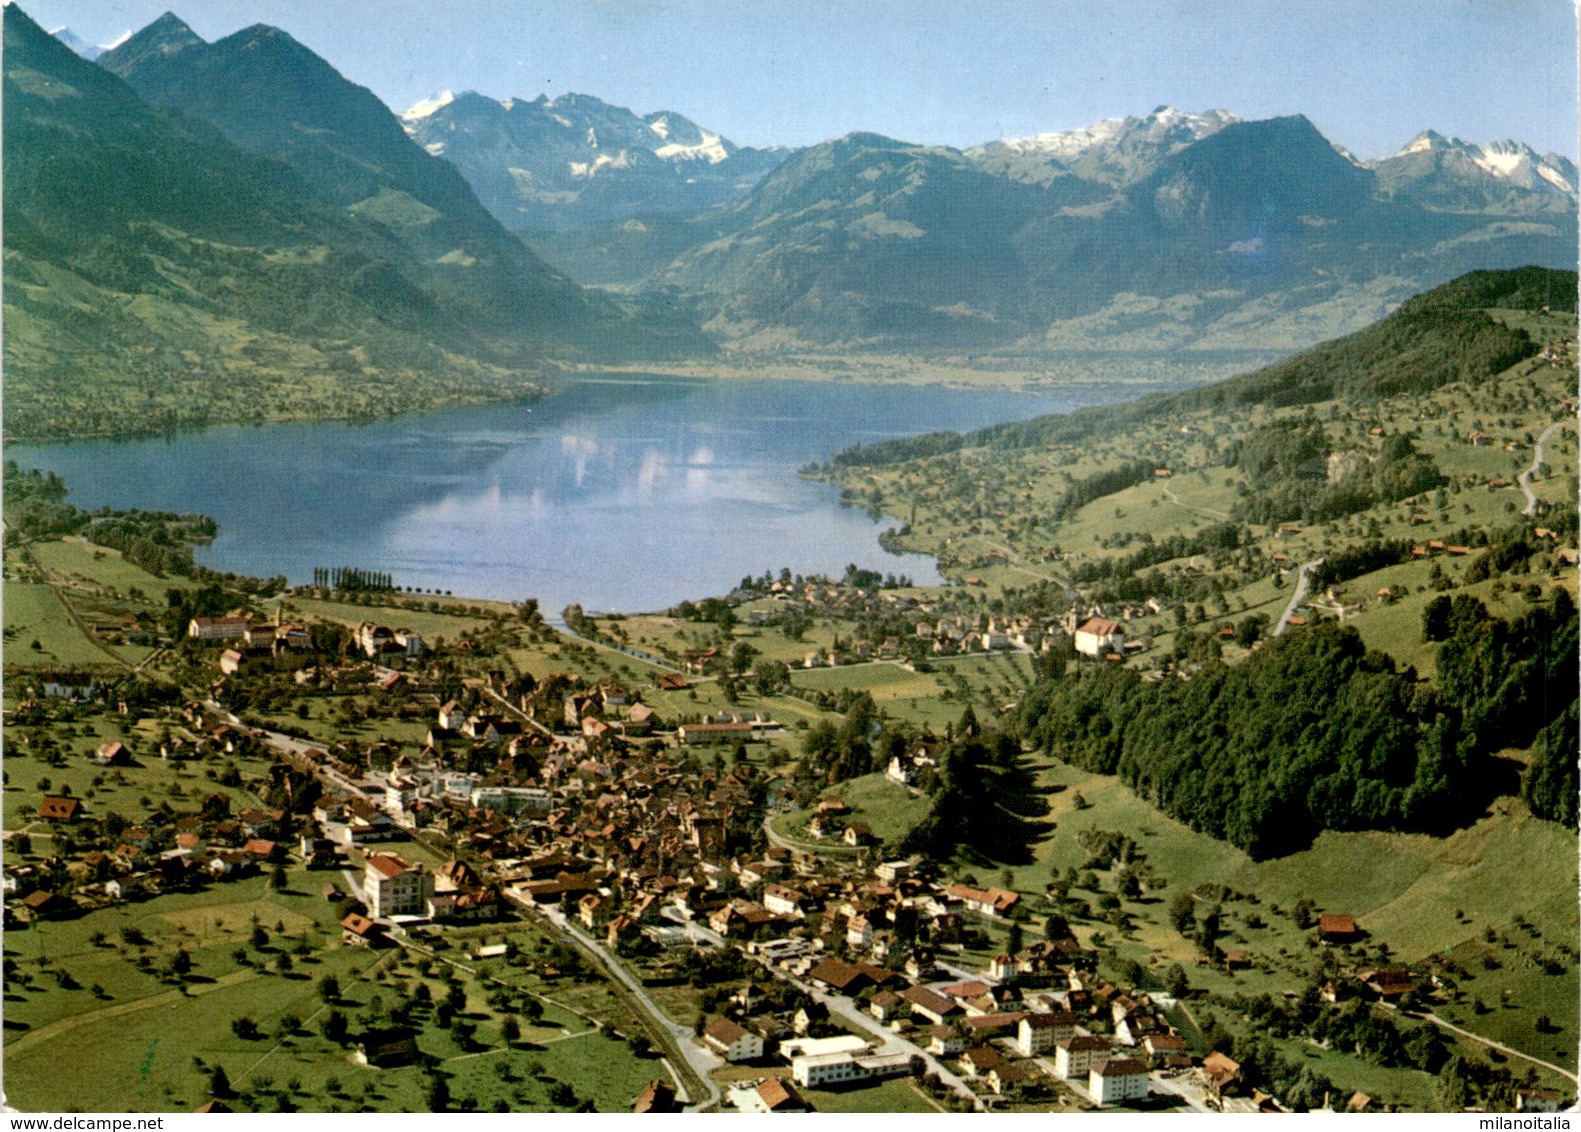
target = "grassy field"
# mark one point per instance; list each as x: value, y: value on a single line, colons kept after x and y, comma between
x: 34, y: 613
x: 430, y: 626
x: 130, y: 790
x: 884, y: 681
x: 1420, y: 895
x: 897, y: 1095
x: 138, y: 1046
x: 102, y: 566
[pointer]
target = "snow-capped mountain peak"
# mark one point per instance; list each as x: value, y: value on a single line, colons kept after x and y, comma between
x: 87, y: 50
x: 1508, y: 160
x: 1165, y: 125
x: 428, y: 105
x: 574, y: 158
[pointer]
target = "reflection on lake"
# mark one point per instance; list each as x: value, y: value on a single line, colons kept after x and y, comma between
x: 628, y: 494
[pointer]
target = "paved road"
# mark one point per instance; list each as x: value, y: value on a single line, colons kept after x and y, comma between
x: 1010, y: 556
x: 1525, y: 478
x: 1303, y: 580
x: 297, y: 749
x: 1192, y: 1098
x: 694, y: 930
x: 702, y: 1062
x: 834, y: 850
x: 523, y: 716
x: 624, y: 650
x: 887, y: 1040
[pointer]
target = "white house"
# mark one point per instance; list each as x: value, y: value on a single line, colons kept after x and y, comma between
x: 1117, y: 1080
x: 395, y: 888
x: 814, y: 1070
x: 782, y: 901
x: 732, y: 1041
x: 1075, y: 1056
x: 1038, y: 1034
x: 217, y: 628
x: 1098, y: 635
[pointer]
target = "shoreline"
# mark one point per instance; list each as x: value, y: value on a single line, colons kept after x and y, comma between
x: 1149, y: 371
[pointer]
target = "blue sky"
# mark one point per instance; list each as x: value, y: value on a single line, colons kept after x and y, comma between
x: 1369, y: 73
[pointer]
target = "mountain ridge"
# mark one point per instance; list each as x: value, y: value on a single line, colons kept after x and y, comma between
x: 270, y: 94
x: 555, y: 163
x: 160, y: 277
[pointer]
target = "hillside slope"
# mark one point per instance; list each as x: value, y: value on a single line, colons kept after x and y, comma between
x: 273, y: 96
x: 1442, y: 336
x: 156, y: 276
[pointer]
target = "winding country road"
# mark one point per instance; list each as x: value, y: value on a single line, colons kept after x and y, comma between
x: 1491, y: 1044
x: 1525, y: 478
x: 1169, y: 494
x: 1303, y: 580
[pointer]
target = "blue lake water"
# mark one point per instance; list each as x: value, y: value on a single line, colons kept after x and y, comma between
x: 628, y: 493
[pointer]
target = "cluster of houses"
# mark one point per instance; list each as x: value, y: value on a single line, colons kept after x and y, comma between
x: 628, y: 840
x: 160, y: 853
x: 244, y: 639
x: 1042, y: 1013
x: 831, y: 818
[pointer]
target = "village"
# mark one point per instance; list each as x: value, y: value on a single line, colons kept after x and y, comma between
x: 798, y: 841
x: 575, y: 804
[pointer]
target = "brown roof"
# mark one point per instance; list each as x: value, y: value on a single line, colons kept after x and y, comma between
x: 1084, y: 1042
x: 659, y: 1096
x: 388, y: 864
x: 930, y: 1000
x: 1049, y: 1021
x: 778, y: 1094
x: 1000, y: 1021
x: 1220, y: 1068
x: 359, y: 925
x: 58, y: 809
x: 839, y: 974
x: 1120, y: 1067
x: 724, y: 1031
x: 1337, y: 925
x: 1098, y: 626
x: 983, y: 1057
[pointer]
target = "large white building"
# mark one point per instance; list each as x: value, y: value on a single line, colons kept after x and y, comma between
x: 1038, y: 1034
x: 217, y: 628
x: 512, y: 799
x: 816, y: 1069
x: 1117, y: 1080
x: 1075, y: 1056
x: 395, y: 888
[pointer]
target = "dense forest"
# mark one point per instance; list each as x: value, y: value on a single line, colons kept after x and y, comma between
x: 1315, y: 731
x: 1287, y: 465
x: 983, y: 803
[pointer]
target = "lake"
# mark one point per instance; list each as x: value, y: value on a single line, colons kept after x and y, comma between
x: 619, y: 493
